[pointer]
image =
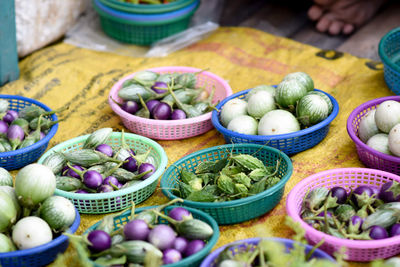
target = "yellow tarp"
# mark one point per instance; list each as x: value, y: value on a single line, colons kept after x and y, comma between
x: 62, y: 75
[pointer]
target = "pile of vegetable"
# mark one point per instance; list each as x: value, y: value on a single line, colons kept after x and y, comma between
x: 30, y: 215
x: 365, y: 213
x: 23, y: 128
x: 267, y: 110
x: 142, y: 238
x: 169, y: 96
x: 273, y: 253
x: 380, y: 128
x: 98, y: 167
x: 237, y: 176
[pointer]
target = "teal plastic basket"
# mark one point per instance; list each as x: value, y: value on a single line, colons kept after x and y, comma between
x: 146, y: 9
x: 142, y: 31
x: 389, y: 52
x: 191, y: 261
x: 238, y: 210
x: 97, y: 203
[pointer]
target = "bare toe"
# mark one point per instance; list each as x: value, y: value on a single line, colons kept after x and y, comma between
x: 323, y: 24
x: 315, y: 12
x: 336, y: 27
x: 348, y: 28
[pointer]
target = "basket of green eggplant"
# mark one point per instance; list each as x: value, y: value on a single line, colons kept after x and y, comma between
x: 22, y: 138
x: 105, y: 171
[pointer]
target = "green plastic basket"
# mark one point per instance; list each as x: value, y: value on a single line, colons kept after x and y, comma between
x: 97, y: 203
x: 238, y: 210
x: 191, y: 261
x: 142, y: 32
x: 146, y: 9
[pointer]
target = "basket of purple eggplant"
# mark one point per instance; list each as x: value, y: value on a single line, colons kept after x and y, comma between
x: 354, y: 208
x: 168, y: 103
x: 106, y: 171
x: 23, y: 137
x: 165, y: 235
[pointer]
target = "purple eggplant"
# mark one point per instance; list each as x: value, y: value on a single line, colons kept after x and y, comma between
x: 378, y: 232
x: 3, y: 129
x: 159, y: 87
x: 179, y: 214
x: 15, y: 135
x: 99, y: 240
x: 136, y: 230
x: 162, y: 111
x: 144, y: 167
x: 105, y: 149
x: 180, y: 244
x: 390, y: 192
x: 162, y: 236
x: 112, y: 181
x: 395, y: 229
x: 340, y: 193
x: 131, y: 165
x: 10, y: 116
x: 151, y: 104
x: 178, y: 114
x: 171, y: 255
x: 105, y: 188
x: 72, y: 173
x: 193, y: 247
x: 130, y: 106
x: 362, y: 195
x: 355, y: 224
x: 92, y: 179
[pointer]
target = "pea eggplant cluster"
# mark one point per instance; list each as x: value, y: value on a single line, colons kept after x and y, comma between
x: 169, y: 96
x: 98, y: 167
x: 365, y: 213
x: 144, y: 237
x: 237, y: 176
x: 19, y: 129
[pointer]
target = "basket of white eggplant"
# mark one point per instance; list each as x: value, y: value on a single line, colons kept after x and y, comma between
x: 106, y: 171
x: 32, y: 219
x: 375, y: 129
x: 292, y: 116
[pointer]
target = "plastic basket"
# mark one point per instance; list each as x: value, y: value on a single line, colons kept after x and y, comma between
x: 239, y: 210
x: 140, y: 31
x: 172, y: 129
x: 146, y: 9
x: 19, y: 158
x: 210, y: 260
x: 371, y: 157
x: 290, y: 143
x: 146, y: 17
x: 356, y: 250
x: 97, y: 203
x: 191, y: 261
x: 40, y: 255
x: 389, y: 52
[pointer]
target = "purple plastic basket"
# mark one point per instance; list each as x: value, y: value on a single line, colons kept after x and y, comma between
x: 210, y: 260
x: 370, y: 157
x: 356, y: 250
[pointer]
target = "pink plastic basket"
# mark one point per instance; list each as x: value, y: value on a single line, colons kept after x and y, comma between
x: 356, y: 250
x: 370, y: 157
x: 172, y: 129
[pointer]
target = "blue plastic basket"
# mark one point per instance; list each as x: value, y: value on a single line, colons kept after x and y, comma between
x: 238, y: 210
x: 242, y: 244
x: 41, y: 255
x: 290, y: 143
x: 191, y: 261
x: 389, y: 52
x: 19, y: 158
x: 147, y: 17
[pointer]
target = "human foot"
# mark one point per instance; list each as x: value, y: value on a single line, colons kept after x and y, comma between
x: 342, y: 16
